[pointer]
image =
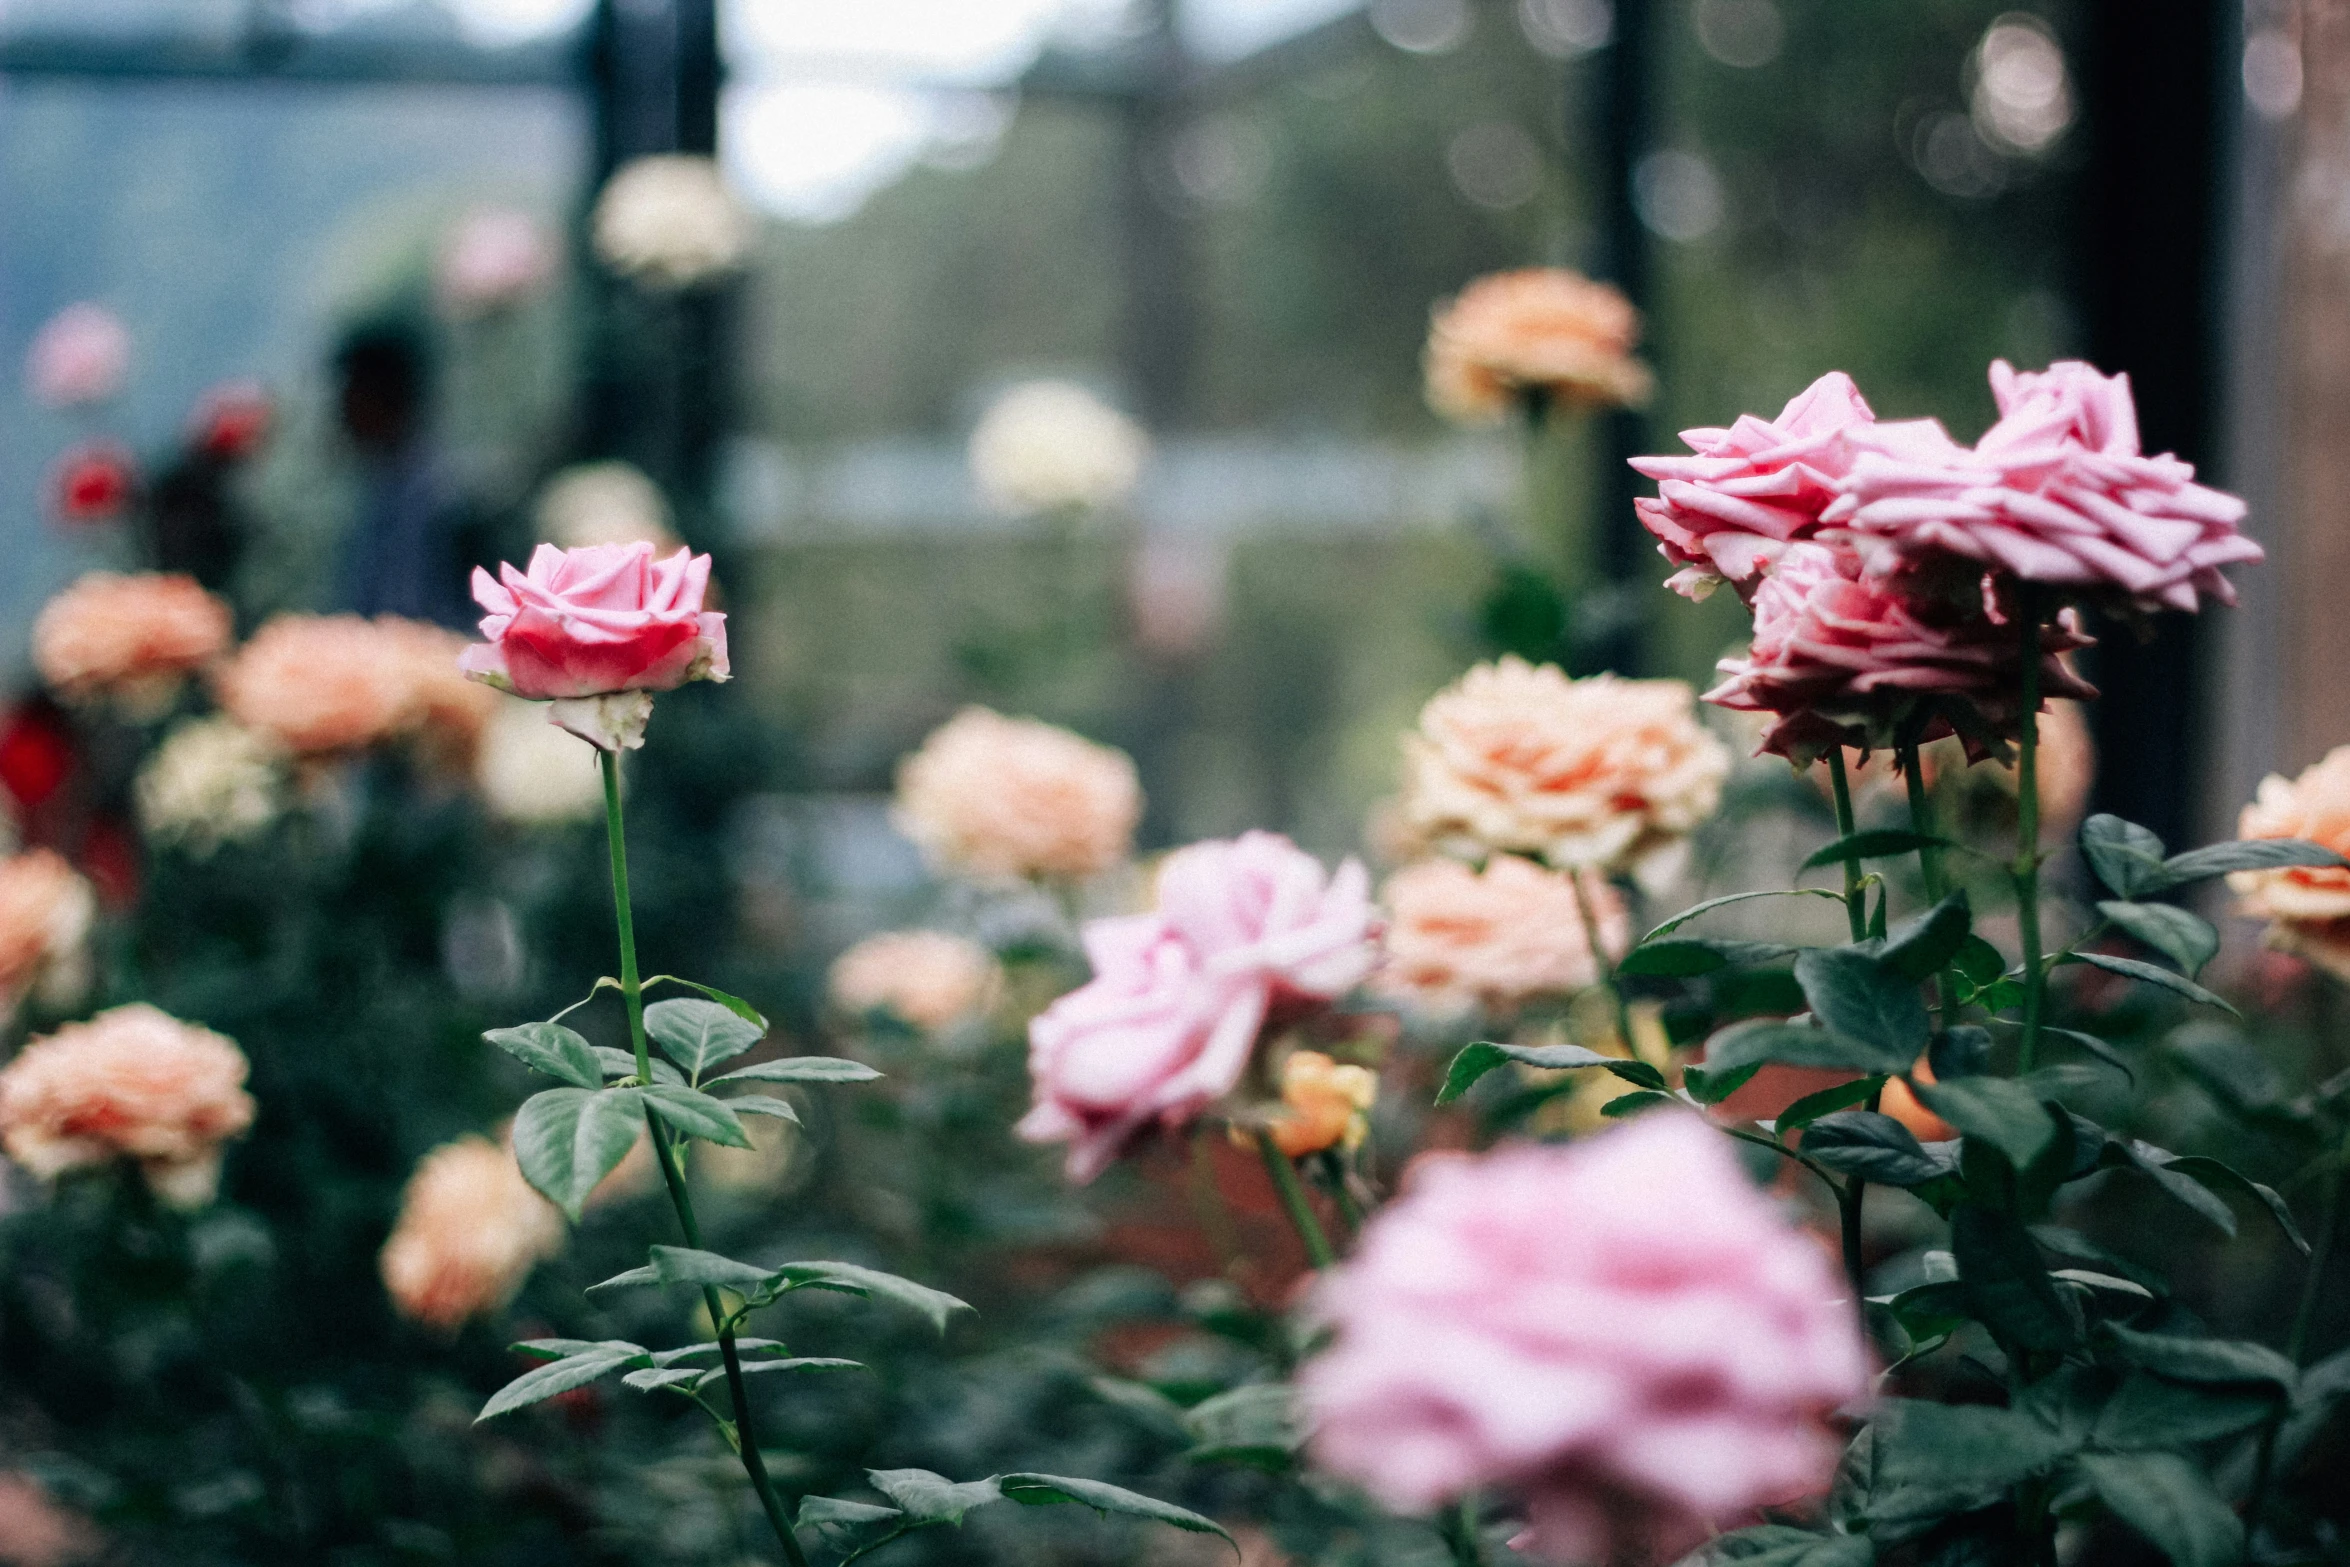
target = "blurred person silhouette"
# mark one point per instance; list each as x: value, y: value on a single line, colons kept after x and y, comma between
x: 407, y: 552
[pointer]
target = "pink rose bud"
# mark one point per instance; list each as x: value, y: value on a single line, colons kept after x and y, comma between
x: 584, y: 626
x: 81, y: 355
x: 231, y: 420
x: 1259, y: 908
x: 1623, y: 1333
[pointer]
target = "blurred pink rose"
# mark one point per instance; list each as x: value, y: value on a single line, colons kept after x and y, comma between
x: 81, y: 355
x: 1151, y: 1038
x: 470, y: 1231
x: 46, y: 911
x: 2057, y: 491
x: 132, y: 1082
x: 1458, y: 938
x: 1259, y: 909
x: 597, y: 620
x: 1754, y: 488
x: 925, y: 977
x: 492, y: 258
x: 133, y: 637
x: 1844, y: 658
x: 1623, y: 1332
x: 36, y: 1532
x: 317, y: 684
x: 231, y: 420
x: 1536, y: 331
x: 994, y: 796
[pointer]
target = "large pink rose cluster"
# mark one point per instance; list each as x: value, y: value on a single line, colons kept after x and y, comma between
x: 1623, y: 1334
x: 1882, y: 560
x: 1169, y: 1021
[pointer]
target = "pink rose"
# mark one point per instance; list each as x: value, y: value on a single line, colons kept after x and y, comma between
x: 583, y: 626
x: 1624, y: 1332
x: 1845, y: 658
x: 1150, y: 1038
x: 2057, y: 491
x: 1259, y: 909
x: 80, y: 355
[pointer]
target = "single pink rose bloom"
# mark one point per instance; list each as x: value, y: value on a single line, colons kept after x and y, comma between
x: 1259, y: 908
x: 81, y: 355
x: 597, y: 620
x: 1847, y: 658
x: 1624, y: 1333
x: 2058, y: 491
x: 1151, y: 1038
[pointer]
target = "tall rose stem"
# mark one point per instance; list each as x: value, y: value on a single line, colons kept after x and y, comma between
x: 1921, y: 822
x: 2329, y: 1240
x: 743, y: 1437
x: 1603, y: 960
x: 1294, y: 1201
x: 1459, y: 1528
x: 1856, y: 897
x: 2027, y: 831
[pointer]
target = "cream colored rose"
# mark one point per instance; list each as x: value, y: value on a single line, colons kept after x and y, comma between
x: 470, y: 1231
x: 212, y: 781
x: 534, y: 772
x: 1458, y: 938
x: 996, y: 796
x: 2307, y: 906
x: 1599, y: 774
x: 1540, y: 330
x: 604, y: 503
x: 133, y: 1083
x: 926, y: 977
x: 669, y: 221
x: 1053, y: 445
x: 46, y: 911
x: 128, y: 638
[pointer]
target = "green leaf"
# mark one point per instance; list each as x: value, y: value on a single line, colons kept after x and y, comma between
x: 2204, y: 1359
x: 1711, y: 1087
x: 1872, y: 1146
x: 2131, y: 968
x: 930, y: 1498
x: 1919, y: 946
x: 2211, y: 1172
x: 1257, y: 1424
x: 2006, y: 1284
x: 717, y: 1374
x: 2125, y: 856
x: 697, y: 1035
x: 1035, y: 1490
x: 1775, y: 1545
x: 710, y: 1349
x: 1877, y: 843
x: 619, y: 1063
x: 1759, y: 1040
x: 801, y: 1069
x: 1996, y: 1110
x: 1474, y: 1061
x: 544, y: 1382
x: 735, y: 1004
x: 1711, y: 904
x: 2151, y: 1412
x: 2167, y: 1499
x: 695, y: 1113
x: 550, y: 1048
x: 936, y: 1306
x: 831, y: 1513
x: 1978, y: 962
x: 684, y: 1265
x: 2250, y: 854
x: 1827, y: 1101
x: 2093, y: 1045
x: 1962, y: 1050
x: 1854, y: 994
x: 2176, y: 934
x: 568, y: 1139
x: 764, y: 1104
x: 1931, y: 1460
x: 647, y: 1274
x: 1703, y: 955
x: 653, y: 1379
x: 1635, y: 1102
x: 559, y: 1348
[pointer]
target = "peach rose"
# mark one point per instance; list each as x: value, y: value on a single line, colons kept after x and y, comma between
x: 1597, y: 774
x: 132, y: 1082
x: 318, y: 684
x: 1538, y: 331
x: 2307, y: 906
x: 46, y: 910
x: 925, y: 977
x: 470, y: 1231
x: 1323, y: 1105
x: 35, y: 1531
x: 994, y: 796
x: 1459, y: 938
x: 130, y: 637
x: 451, y: 711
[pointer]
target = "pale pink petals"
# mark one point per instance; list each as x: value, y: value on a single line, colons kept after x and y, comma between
x: 596, y: 620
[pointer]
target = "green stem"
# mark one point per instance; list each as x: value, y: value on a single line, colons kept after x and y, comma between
x: 1856, y: 897
x: 2027, y: 831
x: 746, y: 1442
x: 1603, y: 960
x: 1294, y: 1201
x: 1849, y: 1198
x: 1459, y: 1528
x: 1921, y: 822
x: 2297, y: 1344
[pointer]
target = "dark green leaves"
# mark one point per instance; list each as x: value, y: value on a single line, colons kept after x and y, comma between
x: 553, y: 1049
x: 1876, y: 844
x: 1256, y: 1424
x: 1930, y: 1460
x: 1874, y: 1147
x: 2189, y: 1179
x: 576, y: 1370
x: 1742, y: 1047
x: 2215, y: 1360
x: 1996, y: 1110
x: 2167, y: 1499
x: 928, y: 1498
x: 1917, y: 947
x: 697, y: 1035
x: 695, y: 1113
x: 801, y: 1069
x: 568, y: 1139
x: 1035, y: 1490
x: 1688, y: 959
x: 2131, y: 968
x: 2125, y: 856
x: 2005, y: 1283
x: 1827, y: 1101
x: 1864, y: 999
x: 1476, y: 1060
x: 763, y: 1286
x: 2179, y: 936
x: 1711, y: 904
x: 735, y: 1004
x: 935, y: 1306
x: 2251, y: 854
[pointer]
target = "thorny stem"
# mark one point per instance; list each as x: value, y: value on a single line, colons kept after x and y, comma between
x: 1856, y: 897
x: 744, y: 1439
x: 1294, y: 1201
x: 2297, y: 1344
x: 2027, y: 832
